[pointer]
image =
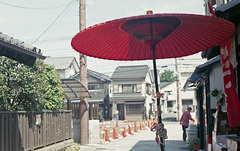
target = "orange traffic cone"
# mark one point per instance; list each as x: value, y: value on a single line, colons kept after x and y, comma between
x: 129, y: 130
x: 114, y: 134
x: 135, y: 127
x: 140, y: 127
x: 106, y: 136
x: 124, y: 132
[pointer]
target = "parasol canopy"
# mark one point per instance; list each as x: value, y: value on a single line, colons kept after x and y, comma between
x: 174, y: 35
x: 153, y: 36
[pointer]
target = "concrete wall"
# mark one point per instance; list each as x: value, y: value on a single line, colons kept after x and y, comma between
x: 57, y: 147
x: 134, y: 117
x: 216, y: 81
x: 76, y: 130
x: 94, y: 134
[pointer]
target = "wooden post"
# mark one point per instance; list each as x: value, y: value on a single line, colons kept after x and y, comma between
x: 83, y: 78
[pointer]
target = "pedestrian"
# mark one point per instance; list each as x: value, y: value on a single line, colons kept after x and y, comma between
x: 184, y: 121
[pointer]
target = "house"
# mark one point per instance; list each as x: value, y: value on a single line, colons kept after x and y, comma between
x: 187, y: 98
x: 65, y: 66
x: 98, y: 87
x: 170, y: 96
x: 209, y: 76
x: 206, y: 78
x: 131, y: 92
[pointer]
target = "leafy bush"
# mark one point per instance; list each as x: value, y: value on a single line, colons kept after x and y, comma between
x: 74, y: 147
x: 191, y: 143
x: 29, y: 88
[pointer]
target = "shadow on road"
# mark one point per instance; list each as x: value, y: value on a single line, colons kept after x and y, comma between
x: 144, y: 145
x: 169, y: 119
x: 151, y: 145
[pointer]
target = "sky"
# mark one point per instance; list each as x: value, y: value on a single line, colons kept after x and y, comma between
x: 51, y: 24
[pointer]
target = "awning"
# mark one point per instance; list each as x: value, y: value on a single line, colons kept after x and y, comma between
x: 74, y: 89
x: 198, y: 73
x: 193, y: 81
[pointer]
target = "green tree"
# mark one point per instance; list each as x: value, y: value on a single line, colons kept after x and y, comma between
x: 29, y: 88
x: 167, y: 76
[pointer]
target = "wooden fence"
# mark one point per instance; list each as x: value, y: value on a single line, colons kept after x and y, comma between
x: 22, y: 130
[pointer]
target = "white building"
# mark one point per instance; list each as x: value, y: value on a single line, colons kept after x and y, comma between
x: 187, y: 97
x: 65, y: 66
x: 131, y: 92
x: 169, y: 102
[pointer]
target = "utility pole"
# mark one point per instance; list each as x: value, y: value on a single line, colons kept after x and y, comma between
x: 83, y: 79
x: 177, y: 84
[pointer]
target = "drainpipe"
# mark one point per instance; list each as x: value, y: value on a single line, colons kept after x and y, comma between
x: 201, y: 116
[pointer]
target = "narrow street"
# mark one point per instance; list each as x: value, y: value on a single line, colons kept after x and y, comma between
x: 144, y: 140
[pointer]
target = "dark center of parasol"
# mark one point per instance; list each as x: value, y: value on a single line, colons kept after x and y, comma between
x: 151, y: 30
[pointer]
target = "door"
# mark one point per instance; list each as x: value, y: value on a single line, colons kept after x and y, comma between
x: 120, y: 108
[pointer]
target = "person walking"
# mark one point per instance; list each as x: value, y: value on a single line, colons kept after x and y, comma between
x: 184, y: 121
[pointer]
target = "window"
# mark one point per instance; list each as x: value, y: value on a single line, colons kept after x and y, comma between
x: 115, y: 88
x: 148, y: 88
x: 187, y: 103
x: 134, y: 108
x: 93, y: 87
x: 127, y: 88
x: 139, y: 88
x: 169, y: 103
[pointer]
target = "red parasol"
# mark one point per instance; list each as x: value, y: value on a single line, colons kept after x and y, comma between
x: 151, y: 36
x: 175, y: 35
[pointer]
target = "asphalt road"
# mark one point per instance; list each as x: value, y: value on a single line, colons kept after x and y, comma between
x: 145, y: 140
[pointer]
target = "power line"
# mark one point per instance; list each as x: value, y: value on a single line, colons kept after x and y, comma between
x: 34, y: 8
x: 52, y: 23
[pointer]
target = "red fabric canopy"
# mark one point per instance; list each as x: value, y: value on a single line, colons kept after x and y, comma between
x: 175, y: 35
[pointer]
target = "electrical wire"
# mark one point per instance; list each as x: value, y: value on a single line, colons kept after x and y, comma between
x: 34, y: 8
x: 53, y: 22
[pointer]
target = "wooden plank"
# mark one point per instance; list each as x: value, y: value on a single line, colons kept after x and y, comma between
x: 24, y: 139
x: 31, y: 132
x: 44, y: 128
x: 64, y: 125
x: 2, y: 132
x: 17, y: 138
x: 10, y: 132
x: 6, y: 136
x: 20, y: 127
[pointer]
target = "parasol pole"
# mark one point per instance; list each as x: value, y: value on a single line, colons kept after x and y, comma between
x: 153, y: 49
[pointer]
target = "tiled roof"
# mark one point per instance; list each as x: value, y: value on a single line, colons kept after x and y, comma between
x: 98, y: 75
x: 59, y: 62
x: 164, y: 84
x: 18, y: 50
x: 130, y: 72
x: 95, y: 74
